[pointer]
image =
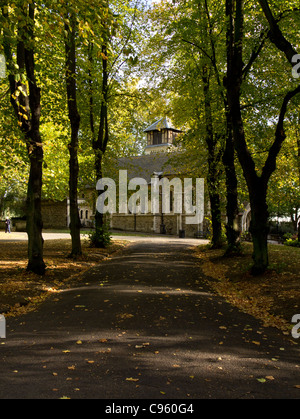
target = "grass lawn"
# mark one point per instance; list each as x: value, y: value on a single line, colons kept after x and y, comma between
x: 273, y: 297
x: 21, y: 291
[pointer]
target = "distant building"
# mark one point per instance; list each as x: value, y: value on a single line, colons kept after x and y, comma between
x: 157, y: 161
x: 161, y: 136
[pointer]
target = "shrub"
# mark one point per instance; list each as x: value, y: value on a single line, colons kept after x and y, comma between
x: 293, y: 243
x: 287, y: 236
x: 100, y: 237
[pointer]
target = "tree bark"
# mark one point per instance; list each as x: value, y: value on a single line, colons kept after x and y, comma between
x: 100, y: 144
x: 74, y: 117
x: 259, y: 229
x: 232, y: 228
x: 213, y: 161
x: 298, y: 163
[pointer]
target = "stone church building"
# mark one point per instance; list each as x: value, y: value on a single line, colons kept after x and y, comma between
x: 155, y: 162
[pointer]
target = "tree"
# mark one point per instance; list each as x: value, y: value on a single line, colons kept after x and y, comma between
x: 26, y: 102
x: 108, y: 51
x: 194, y: 52
x: 74, y: 117
x: 257, y: 184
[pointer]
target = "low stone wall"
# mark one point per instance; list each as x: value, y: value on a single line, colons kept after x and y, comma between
x: 144, y: 223
x: 54, y: 214
x: 148, y: 223
x: 19, y: 226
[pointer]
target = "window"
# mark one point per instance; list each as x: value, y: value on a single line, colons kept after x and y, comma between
x: 157, y: 137
x: 87, y: 214
x: 171, y: 201
x: 164, y: 136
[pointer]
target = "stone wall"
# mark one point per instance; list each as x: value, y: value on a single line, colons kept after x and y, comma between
x: 54, y: 214
x: 144, y: 223
x: 148, y: 223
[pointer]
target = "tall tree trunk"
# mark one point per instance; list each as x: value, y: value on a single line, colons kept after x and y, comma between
x: 232, y: 231
x: 27, y: 107
x: 34, y: 212
x: 99, y: 240
x: 232, y: 227
x: 74, y: 117
x: 100, y: 145
x: 259, y: 229
x: 213, y: 161
x: 34, y: 223
x: 257, y: 185
x: 214, y: 199
x: 298, y: 161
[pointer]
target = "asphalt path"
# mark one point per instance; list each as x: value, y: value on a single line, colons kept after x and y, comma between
x: 145, y: 325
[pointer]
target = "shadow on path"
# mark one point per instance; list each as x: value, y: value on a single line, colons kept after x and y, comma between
x: 144, y: 325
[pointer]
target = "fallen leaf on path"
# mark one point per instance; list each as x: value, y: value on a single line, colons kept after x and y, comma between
x: 124, y: 316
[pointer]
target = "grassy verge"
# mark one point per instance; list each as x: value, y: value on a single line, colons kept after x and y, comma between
x: 273, y: 298
x: 21, y: 291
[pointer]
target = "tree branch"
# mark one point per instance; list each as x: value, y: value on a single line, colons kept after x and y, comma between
x: 275, y: 34
x: 280, y: 136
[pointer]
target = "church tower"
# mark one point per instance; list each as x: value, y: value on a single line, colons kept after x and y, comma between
x: 160, y: 136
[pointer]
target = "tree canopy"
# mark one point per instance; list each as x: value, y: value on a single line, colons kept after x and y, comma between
x: 85, y: 78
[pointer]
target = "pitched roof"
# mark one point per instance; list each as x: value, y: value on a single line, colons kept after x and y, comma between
x: 163, y: 123
x: 146, y: 166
